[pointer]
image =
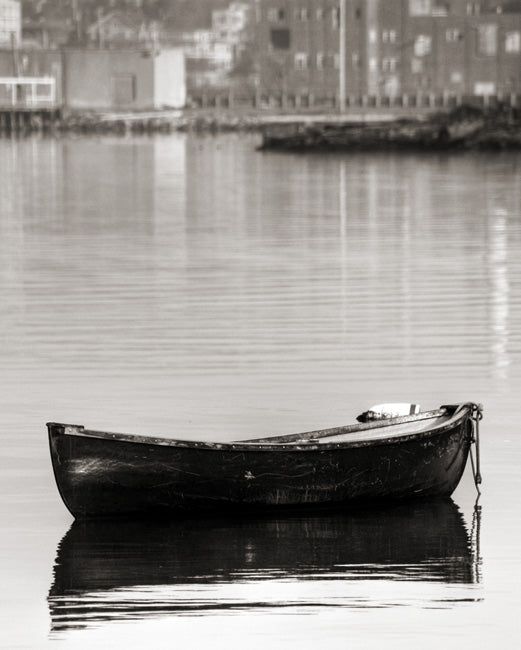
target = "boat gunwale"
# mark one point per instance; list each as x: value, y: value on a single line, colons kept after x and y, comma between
x: 306, y: 444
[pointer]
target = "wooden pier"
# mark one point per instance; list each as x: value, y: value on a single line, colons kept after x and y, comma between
x: 28, y: 104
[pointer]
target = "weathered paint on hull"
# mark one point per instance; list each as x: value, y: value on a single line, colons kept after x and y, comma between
x: 104, y: 477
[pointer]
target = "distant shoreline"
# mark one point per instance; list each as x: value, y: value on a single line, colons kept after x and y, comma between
x: 464, y: 127
x: 159, y: 122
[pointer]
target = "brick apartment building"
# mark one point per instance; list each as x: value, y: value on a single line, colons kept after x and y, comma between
x: 391, y: 47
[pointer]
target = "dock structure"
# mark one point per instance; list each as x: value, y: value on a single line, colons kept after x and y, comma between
x: 28, y: 104
x: 418, y: 103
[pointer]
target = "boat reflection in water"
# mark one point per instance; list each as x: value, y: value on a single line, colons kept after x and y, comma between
x: 113, y: 569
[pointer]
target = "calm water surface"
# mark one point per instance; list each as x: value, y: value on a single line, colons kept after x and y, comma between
x: 195, y: 288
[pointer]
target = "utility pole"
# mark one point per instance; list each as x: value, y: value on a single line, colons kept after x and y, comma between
x: 15, y: 54
x: 342, y: 57
x: 101, y: 40
x: 76, y: 19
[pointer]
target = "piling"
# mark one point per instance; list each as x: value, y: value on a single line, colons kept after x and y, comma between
x: 17, y: 121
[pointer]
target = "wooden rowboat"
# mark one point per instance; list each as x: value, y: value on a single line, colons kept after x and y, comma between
x: 106, y: 474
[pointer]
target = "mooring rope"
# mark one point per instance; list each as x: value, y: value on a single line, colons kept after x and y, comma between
x: 474, y: 542
x: 476, y: 414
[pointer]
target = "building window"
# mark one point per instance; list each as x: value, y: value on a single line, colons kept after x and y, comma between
x: 280, y: 39
x: 301, y: 61
x: 456, y: 77
x: 275, y: 14
x: 389, y: 36
x: 320, y: 13
x: 388, y: 64
x: 453, y: 35
x: 422, y: 45
x: 372, y: 36
x: 513, y: 42
x: 420, y: 7
x: 416, y: 66
x: 487, y: 40
x: 440, y: 9
x: 473, y: 8
x: 335, y: 17
x: 302, y: 14
x: 484, y: 88
x: 320, y: 60
x: 373, y: 63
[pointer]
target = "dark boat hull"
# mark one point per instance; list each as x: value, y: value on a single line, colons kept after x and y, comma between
x: 109, y: 474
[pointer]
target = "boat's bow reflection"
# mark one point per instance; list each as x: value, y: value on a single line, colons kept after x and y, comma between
x: 130, y: 569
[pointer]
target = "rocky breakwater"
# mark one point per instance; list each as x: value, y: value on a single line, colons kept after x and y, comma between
x: 86, y: 122
x: 465, y: 127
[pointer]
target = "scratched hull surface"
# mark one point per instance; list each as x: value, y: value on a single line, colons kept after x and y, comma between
x: 101, y: 474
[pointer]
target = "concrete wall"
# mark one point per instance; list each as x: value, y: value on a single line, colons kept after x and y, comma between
x: 124, y: 79
x: 108, y: 79
x: 169, y: 79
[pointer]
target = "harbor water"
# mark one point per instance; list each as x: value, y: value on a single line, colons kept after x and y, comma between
x: 194, y: 287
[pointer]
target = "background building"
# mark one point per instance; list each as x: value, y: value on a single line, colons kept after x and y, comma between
x: 392, y: 47
x: 297, y: 45
x: 313, y: 50
x: 94, y: 79
x: 213, y: 53
x: 121, y: 29
x: 10, y: 23
x: 123, y: 79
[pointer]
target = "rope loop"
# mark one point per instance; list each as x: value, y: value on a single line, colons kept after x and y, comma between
x: 476, y: 414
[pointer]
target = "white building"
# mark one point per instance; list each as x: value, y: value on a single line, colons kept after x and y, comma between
x: 206, y: 46
x: 229, y: 24
x: 10, y: 23
x: 212, y: 53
